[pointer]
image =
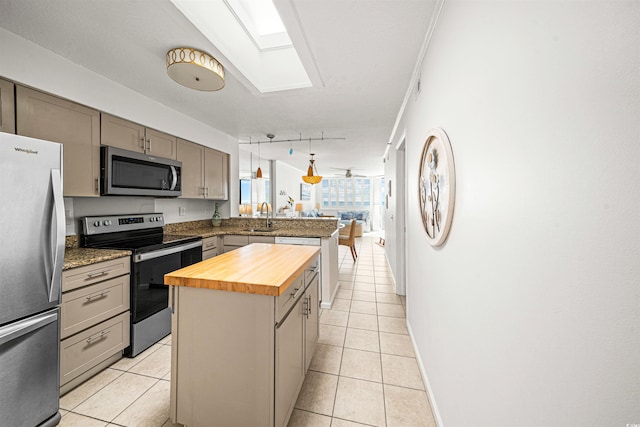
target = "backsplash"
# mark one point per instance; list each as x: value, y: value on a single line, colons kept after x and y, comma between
x: 174, y: 210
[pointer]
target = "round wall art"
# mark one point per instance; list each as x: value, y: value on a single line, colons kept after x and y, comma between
x: 437, y: 186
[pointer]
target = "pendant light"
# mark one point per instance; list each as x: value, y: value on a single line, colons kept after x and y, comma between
x: 310, y: 178
x: 259, y: 171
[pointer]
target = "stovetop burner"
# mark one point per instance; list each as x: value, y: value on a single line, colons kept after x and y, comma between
x: 139, y: 233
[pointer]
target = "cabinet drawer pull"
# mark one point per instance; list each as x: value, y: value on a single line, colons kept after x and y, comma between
x: 94, y: 275
x: 210, y: 245
x: 96, y: 296
x: 97, y: 337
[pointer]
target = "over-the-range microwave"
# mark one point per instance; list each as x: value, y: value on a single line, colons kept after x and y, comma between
x: 127, y: 173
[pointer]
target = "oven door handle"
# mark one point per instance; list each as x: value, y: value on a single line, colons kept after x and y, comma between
x: 168, y: 251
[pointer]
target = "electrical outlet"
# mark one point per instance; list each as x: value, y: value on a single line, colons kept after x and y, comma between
x: 181, y: 211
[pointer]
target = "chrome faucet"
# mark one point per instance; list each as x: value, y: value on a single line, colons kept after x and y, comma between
x: 268, y: 224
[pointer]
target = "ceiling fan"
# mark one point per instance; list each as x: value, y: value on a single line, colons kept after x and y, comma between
x: 348, y: 172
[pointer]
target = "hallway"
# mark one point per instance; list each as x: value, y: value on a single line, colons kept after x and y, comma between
x: 364, y: 371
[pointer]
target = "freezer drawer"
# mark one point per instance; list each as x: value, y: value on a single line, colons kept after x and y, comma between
x: 85, y: 350
x: 92, y: 304
x: 29, y: 375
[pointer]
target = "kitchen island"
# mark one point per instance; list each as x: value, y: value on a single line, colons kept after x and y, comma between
x: 254, y: 230
x: 244, y: 328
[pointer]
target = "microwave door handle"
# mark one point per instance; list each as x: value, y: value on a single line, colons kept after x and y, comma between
x: 58, y: 239
x: 174, y: 180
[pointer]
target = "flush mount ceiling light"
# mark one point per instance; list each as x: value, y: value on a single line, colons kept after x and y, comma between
x: 195, y: 69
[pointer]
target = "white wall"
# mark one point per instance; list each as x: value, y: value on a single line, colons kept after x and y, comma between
x: 35, y: 66
x: 288, y: 179
x: 530, y: 312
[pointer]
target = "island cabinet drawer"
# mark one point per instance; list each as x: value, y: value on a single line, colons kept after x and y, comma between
x: 235, y: 240
x: 94, y: 273
x: 285, y: 301
x: 311, y: 271
x: 87, y: 306
x: 85, y: 350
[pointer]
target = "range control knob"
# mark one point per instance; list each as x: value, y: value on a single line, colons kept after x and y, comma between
x: 158, y: 218
x: 107, y: 222
x: 152, y: 219
x: 96, y: 224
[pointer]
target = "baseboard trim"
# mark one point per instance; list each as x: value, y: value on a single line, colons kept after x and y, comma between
x: 425, y: 379
x: 327, y: 305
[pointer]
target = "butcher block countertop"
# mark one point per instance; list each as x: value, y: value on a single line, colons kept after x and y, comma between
x: 258, y: 268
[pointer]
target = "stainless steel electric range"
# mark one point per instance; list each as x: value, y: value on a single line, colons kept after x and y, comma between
x: 154, y: 255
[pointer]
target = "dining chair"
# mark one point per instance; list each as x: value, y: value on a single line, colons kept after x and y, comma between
x: 350, y: 241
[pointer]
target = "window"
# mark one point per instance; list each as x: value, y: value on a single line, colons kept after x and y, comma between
x: 245, y: 191
x: 346, y: 192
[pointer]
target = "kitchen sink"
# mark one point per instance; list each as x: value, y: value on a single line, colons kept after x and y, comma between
x: 260, y: 230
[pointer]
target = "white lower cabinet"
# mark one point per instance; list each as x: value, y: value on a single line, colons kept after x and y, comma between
x: 209, y: 247
x: 234, y: 241
x: 94, y: 319
x: 240, y: 359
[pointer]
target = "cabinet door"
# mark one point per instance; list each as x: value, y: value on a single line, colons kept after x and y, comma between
x: 191, y: 156
x: 161, y: 144
x: 117, y: 132
x: 77, y: 127
x: 7, y: 107
x: 312, y: 323
x: 216, y: 174
x: 289, y: 372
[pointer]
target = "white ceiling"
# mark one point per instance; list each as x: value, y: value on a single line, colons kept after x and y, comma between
x: 364, y: 51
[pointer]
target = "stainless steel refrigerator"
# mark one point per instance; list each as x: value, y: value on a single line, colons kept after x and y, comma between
x: 32, y: 235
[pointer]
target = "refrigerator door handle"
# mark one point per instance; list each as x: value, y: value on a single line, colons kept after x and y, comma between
x: 59, y: 239
x: 18, y: 329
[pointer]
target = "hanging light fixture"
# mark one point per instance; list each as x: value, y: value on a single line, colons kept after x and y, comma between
x: 195, y: 69
x: 259, y: 171
x: 310, y: 178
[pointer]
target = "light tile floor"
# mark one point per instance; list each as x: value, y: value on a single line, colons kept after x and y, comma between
x: 364, y: 371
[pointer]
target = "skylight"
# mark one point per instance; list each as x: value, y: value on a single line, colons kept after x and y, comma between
x: 261, y: 22
x: 261, y: 15
x: 252, y: 40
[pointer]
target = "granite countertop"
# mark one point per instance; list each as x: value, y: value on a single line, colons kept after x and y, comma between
x: 282, y: 227
x: 79, y: 257
x: 205, y: 232
x: 260, y: 268
x: 299, y: 227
